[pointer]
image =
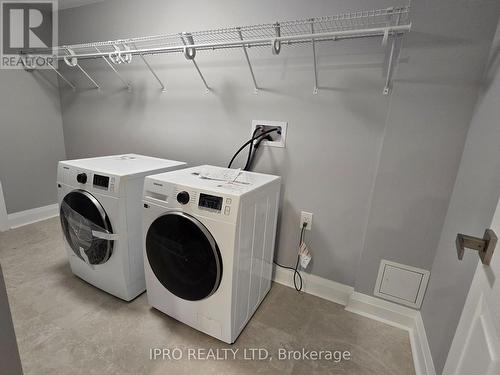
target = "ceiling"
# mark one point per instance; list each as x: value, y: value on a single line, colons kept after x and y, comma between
x: 65, y: 4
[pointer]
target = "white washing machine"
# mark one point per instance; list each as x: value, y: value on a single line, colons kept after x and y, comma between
x: 209, y: 245
x: 100, y: 204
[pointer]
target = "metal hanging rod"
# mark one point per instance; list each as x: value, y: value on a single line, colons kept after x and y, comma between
x: 318, y: 37
x: 390, y: 24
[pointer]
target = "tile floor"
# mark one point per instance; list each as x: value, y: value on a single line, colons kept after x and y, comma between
x: 66, y: 326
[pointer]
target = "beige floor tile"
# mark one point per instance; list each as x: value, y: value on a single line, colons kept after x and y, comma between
x: 65, y: 326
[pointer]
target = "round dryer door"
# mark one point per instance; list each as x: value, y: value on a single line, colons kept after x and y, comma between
x: 184, y: 256
x: 87, y: 227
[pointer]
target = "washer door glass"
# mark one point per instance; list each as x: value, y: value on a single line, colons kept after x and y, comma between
x: 184, y: 256
x: 85, y: 226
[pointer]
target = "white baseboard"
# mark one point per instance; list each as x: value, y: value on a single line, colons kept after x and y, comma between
x: 421, y: 351
x: 370, y: 307
x: 315, y: 285
x: 401, y: 317
x: 383, y: 311
x: 22, y: 218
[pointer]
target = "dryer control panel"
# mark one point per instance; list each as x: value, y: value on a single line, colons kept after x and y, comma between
x: 196, y: 201
x: 210, y: 201
x: 101, y: 181
x: 192, y: 201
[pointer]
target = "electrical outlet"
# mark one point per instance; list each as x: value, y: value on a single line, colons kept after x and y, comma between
x: 306, y: 217
x: 278, y: 140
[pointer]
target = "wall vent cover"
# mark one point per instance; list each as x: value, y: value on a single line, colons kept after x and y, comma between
x: 401, y: 283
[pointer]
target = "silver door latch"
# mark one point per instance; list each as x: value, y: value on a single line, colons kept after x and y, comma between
x: 485, y: 246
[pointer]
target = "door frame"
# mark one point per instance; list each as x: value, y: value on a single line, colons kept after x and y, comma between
x: 476, y: 317
x: 4, y: 219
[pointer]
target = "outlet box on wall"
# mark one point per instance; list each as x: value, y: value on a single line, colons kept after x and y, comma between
x: 306, y: 218
x: 279, y: 140
x: 401, y: 283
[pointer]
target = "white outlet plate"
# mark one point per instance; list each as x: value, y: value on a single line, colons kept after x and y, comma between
x: 282, y: 124
x: 306, y: 217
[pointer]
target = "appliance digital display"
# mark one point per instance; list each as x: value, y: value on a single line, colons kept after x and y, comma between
x: 210, y: 201
x: 101, y: 181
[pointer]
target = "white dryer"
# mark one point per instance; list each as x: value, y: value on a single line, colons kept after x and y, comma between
x: 209, y: 245
x: 100, y: 203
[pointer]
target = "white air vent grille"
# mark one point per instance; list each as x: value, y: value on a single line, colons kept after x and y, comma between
x: 401, y: 283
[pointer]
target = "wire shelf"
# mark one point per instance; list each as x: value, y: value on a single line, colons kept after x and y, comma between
x: 390, y: 23
x: 254, y: 35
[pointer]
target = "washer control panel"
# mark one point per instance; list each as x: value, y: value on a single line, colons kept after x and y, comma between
x: 88, y: 180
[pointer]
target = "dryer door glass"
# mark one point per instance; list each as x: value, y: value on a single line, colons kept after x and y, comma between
x: 86, y: 227
x: 184, y: 256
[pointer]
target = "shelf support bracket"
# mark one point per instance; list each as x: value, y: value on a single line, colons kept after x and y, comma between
x: 385, y: 38
x: 163, y: 88
x: 394, y: 51
x: 127, y: 84
x: 207, y: 89
x: 72, y: 61
x: 88, y: 76
x: 313, y: 43
x: 189, y: 54
x: 32, y: 69
x: 62, y: 77
x: 256, y: 88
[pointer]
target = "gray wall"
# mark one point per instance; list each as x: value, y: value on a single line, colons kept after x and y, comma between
x: 471, y: 210
x: 31, y: 138
x: 379, y: 187
x: 345, y: 121
x: 430, y: 111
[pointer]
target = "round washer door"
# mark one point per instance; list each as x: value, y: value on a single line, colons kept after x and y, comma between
x: 184, y: 256
x: 82, y: 216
